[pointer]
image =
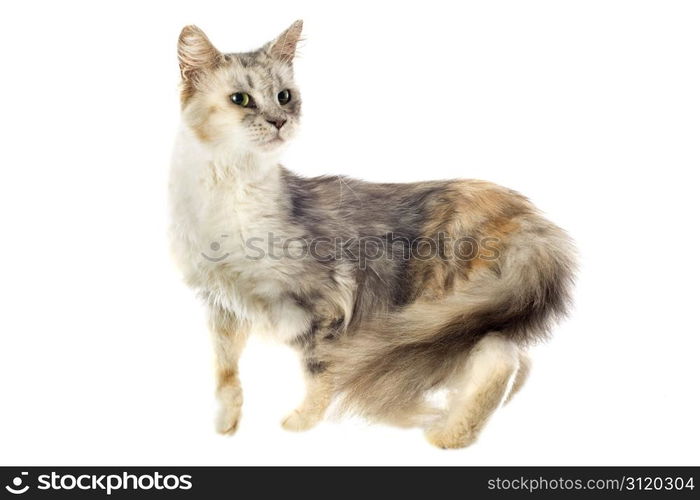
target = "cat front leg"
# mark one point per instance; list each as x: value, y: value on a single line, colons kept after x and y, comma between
x: 319, y: 392
x: 229, y: 339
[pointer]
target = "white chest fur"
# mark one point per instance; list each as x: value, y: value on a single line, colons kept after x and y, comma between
x: 225, y: 210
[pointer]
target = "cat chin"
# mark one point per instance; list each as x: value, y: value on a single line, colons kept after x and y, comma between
x: 272, y: 145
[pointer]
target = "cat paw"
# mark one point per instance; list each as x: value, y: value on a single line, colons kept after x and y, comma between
x: 230, y: 402
x: 227, y: 419
x: 447, y: 440
x: 298, y: 421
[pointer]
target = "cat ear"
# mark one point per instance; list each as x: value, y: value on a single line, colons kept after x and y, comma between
x: 284, y: 47
x: 195, y: 52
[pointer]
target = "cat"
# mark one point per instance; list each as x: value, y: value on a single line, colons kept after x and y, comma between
x: 389, y: 292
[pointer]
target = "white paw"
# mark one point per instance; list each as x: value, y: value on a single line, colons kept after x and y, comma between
x: 227, y: 419
x: 230, y: 401
x: 298, y: 421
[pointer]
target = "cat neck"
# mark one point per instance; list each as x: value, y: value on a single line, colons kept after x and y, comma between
x: 226, y: 163
x: 242, y: 167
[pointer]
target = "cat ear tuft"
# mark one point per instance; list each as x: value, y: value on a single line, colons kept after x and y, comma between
x: 195, y: 52
x: 284, y: 46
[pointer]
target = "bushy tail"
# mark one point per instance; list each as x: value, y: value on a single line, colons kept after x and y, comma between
x: 386, y: 367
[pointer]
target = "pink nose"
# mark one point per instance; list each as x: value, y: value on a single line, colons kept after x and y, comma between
x: 277, y: 123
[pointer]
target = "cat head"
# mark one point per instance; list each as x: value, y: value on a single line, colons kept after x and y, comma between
x: 244, y: 101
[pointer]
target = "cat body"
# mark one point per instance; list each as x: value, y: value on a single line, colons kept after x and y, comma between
x: 388, y: 291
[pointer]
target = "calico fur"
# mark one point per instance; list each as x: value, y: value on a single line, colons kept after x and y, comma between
x: 388, y: 291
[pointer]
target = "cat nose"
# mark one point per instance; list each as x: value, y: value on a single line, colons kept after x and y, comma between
x: 277, y: 123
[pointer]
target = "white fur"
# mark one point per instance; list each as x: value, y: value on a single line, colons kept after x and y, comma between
x: 493, y: 354
x: 217, y: 191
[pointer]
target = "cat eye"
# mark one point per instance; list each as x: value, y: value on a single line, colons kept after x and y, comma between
x: 284, y: 97
x: 242, y: 99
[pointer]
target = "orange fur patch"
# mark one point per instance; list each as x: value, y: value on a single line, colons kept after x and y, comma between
x: 477, y: 212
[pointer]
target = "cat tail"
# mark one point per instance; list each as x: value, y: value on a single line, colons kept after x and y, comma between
x: 386, y: 367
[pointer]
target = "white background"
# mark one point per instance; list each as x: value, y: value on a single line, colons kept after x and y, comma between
x: 591, y: 108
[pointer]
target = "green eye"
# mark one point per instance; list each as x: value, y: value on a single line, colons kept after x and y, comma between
x: 284, y: 97
x: 241, y: 99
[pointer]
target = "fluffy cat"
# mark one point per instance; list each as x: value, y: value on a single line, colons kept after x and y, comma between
x: 388, y: 291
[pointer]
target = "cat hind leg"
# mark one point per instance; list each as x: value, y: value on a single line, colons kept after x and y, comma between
x: 478, y: 390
